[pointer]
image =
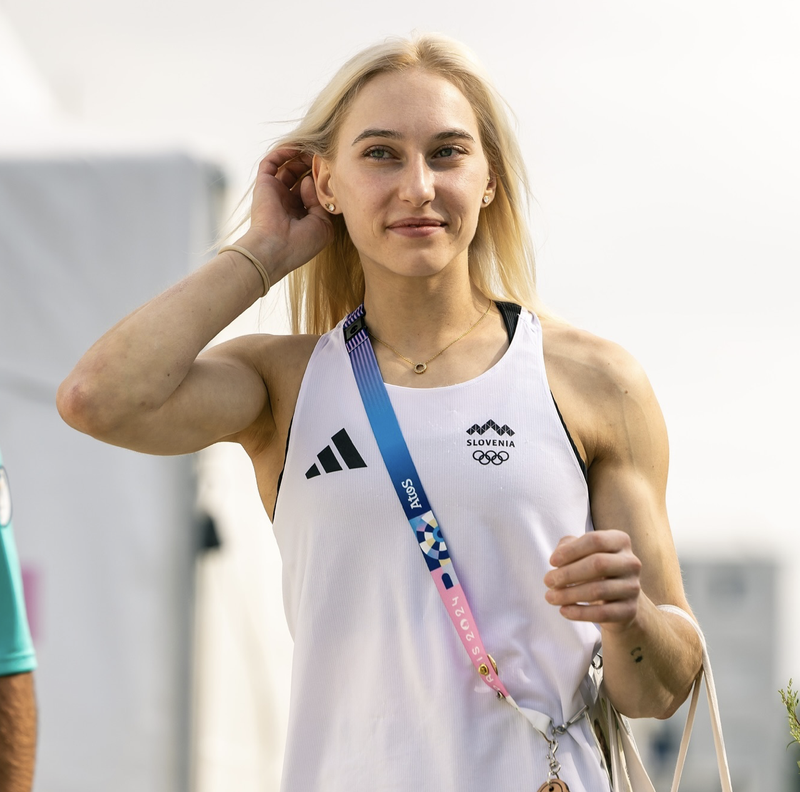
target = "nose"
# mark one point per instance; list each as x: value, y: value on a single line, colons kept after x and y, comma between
x: 417, y: 182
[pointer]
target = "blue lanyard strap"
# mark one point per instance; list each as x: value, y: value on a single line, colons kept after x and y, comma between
x: 382, y: 418
x: 411, y: 493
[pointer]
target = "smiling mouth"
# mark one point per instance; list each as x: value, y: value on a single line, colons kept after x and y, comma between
x: 417, y: 224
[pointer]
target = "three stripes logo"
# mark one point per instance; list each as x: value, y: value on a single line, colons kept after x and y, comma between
x: 485, y: 449
x: 330, y: 462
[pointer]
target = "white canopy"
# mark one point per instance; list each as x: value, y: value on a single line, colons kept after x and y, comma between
x: 91, y: 227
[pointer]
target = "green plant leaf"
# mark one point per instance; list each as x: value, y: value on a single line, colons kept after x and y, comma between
x: 791, y: 700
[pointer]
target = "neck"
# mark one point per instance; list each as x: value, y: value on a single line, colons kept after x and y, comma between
x: 419, y: 315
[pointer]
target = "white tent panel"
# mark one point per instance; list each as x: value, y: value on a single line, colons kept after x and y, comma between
x: 106, y: 536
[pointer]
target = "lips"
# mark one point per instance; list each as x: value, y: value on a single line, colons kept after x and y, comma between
x: 417, y: 222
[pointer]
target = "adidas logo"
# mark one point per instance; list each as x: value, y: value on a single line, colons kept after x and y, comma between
x: 329, y: 461
x: 501, y: 430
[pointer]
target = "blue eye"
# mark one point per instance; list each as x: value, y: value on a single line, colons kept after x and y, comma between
x: 449, y: 152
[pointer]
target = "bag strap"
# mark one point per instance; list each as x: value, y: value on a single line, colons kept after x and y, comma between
x: 713, y: 708
x: 627, y: 766
x: 627, y: 769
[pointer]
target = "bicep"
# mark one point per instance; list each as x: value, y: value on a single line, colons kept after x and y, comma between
x: 627, y: 484
x: 222, y: 395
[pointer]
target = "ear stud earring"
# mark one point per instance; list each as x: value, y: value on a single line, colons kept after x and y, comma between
x: 486, y: 199
x: 330, y: 207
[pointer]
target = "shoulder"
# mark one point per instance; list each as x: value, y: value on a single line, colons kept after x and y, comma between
x: 602, y: 390
x: 277, y: 361
x: 591, y: 362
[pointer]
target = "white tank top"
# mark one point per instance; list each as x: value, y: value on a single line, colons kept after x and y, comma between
x: 383, y: 693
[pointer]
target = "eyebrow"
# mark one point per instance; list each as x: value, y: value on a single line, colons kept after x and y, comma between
x: 392, y: 134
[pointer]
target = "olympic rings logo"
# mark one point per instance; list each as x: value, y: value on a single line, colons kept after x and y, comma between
x: 490, y: 457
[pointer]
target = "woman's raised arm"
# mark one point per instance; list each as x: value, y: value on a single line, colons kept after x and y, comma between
x: 143, y: 386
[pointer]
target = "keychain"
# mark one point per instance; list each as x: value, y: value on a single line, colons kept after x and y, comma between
x: 554, y: 783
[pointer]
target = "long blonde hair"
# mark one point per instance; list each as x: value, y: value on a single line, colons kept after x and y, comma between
x: 501, y: 261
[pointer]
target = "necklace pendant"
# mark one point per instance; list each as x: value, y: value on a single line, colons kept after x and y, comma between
x: 554, y: 785
x: 420, y: 368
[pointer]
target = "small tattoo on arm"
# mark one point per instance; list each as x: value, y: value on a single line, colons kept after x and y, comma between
x: 637, y: 655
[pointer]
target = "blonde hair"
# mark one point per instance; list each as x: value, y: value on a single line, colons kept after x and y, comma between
x: 501, y: 261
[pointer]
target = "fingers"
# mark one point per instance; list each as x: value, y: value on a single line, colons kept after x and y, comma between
x: 597, y: 565
x: 285, y: 215
x: 608, y: 614
x: 287, y: 165
x: 595, y: 591
x: 596, y: 578
x: 308, y: 192
x: 573, y: 548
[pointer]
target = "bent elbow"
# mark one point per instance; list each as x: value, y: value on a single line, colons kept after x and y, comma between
x: 676, y: 702
x: 80, y: 408
x: 667, y: 712
x: 72, y: 404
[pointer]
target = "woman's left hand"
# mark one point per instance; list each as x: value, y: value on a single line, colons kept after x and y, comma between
x: 596, y: 578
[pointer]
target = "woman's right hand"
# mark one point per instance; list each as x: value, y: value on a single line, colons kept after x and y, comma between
x: 288, y: 226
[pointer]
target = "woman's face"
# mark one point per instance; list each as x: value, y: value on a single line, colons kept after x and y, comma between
x: 409, y: 175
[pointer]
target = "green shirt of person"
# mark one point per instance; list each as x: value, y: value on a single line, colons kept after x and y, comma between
x: 17, y: 661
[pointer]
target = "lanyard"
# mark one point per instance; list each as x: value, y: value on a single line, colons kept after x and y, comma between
x: 411, y: 494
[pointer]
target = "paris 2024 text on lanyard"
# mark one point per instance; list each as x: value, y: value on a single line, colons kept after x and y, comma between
x: 428, y: 534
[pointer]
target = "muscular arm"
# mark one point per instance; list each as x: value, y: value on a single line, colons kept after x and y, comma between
x: 650, y: 657
x: 144, y: 385
x: 618, y: 575
x: 17, y: 732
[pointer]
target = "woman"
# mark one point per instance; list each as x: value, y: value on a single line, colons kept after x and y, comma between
x: 402, y: 189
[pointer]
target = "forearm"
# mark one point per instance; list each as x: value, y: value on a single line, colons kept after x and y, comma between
x: 138, y: 364
x: 649, y: 667
x: 17, y: 732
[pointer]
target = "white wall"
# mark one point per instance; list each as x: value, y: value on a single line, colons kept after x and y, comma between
x: 662, y: 143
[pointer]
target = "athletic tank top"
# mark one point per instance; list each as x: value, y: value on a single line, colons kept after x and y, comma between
x: 383, y: 694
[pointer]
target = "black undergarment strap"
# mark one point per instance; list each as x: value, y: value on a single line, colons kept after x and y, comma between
x: 280, y: 475
x: 582, y: 464
x: 510, y: 313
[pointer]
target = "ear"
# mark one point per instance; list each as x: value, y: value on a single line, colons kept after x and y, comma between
x: 491, y: 188
x: 321, y: 170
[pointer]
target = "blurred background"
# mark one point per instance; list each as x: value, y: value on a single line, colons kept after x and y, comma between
x: 662, y: 144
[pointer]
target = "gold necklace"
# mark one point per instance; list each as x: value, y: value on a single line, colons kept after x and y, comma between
x: 420, y: 368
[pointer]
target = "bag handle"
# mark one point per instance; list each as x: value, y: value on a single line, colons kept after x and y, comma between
x: 713, y: 708
x: 627, y: 769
